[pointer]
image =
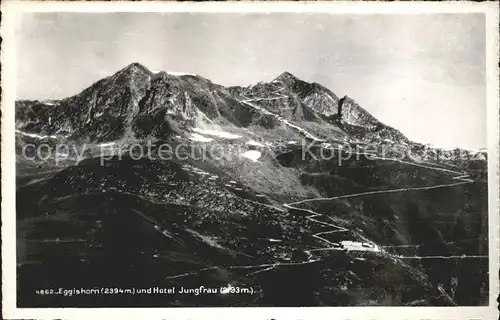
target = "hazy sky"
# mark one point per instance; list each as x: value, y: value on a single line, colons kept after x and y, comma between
x: 422, y: 74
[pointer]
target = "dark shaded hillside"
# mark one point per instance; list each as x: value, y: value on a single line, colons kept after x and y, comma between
x: 136, y: 223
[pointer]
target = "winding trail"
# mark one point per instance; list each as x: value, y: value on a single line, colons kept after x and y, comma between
x: 333, y: 246
x: 336, y: 228
x: 336, y: 246
x: 379, y: 192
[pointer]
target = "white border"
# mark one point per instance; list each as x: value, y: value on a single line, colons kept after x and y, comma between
x: 13, y: 9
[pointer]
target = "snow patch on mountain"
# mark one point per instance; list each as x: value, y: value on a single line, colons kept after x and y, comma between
x: 199, y: 137
x: 253, y: 155
x: 255, y: 143
x: 107, y: 144
x: 359, y: 246
x: 50, y: 102
x: 217, y: 133
x: 176, y: 73
x: 34, y: 135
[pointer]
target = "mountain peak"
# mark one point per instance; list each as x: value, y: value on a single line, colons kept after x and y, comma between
x: 286, y: 77
x: 135, y: 67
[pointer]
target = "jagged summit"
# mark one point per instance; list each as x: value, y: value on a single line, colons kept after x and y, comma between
x: 286, y: 78
x: 286, y: 74
x: 137, y: 68
x: 134, y: 68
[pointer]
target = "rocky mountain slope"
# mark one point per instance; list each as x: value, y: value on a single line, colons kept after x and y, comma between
x: 279, y: 187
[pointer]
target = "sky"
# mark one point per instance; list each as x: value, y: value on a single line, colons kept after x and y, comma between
x: 423, y: 74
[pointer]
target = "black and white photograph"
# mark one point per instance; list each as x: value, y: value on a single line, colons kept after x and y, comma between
x: 192, y: 159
